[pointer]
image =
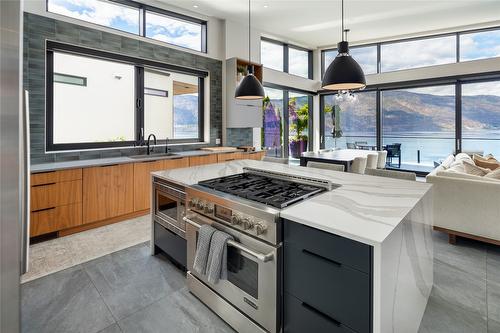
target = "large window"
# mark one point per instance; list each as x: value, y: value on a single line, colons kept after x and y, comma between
x: 480, y: 45
x: 350, y: 120
x: 128, y: 16
x: 96, y: 100
x: 272, y: 128
x: 286, y: 58
x: 420, y: 122
x: 481, y: 117
x: 418, y: 53
x: 286, y: 133
x: 100, y: 111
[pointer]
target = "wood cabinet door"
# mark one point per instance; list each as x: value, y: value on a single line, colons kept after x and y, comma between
x: 142, y: 183
x: 176, y: 163
x: 55, y: 219
x: 108, y: 191
x: 225, y: 157
x: 202, y: 160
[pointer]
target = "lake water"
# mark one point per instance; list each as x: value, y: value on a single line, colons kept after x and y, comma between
x: 432, y: 146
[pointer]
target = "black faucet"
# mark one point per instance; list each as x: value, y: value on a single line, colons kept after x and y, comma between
x: 166, y: 146
x: 149, y: 143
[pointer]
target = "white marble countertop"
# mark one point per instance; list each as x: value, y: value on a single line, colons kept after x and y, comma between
x: 44, y: 167
x: 364, y: 208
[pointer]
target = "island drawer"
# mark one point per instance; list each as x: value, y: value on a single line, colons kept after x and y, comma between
x: 339, y: 291
x: 336, y: 248
x: 301, y: 317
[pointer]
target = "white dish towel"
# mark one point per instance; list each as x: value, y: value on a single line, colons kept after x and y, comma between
x: 217, y: 257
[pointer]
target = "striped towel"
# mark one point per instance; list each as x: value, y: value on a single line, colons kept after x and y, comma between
x: 217, y: 259
x: 205, y: 234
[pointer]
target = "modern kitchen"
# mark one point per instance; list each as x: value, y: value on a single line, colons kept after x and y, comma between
x: 216, y: 166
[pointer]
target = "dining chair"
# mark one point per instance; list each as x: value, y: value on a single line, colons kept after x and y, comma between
x: 275, y: 159
x: 371, y: 161
x: 326, y: 166
x: 391, y: 174
x: 394, y: 151
x: 382, y: 159
x: 358, y: 165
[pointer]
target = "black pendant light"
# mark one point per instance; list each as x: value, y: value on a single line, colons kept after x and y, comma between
x: 250, y: 87
x: 344, y: 73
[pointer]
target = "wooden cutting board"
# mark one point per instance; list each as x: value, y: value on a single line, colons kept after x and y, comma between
x: 220, y: 149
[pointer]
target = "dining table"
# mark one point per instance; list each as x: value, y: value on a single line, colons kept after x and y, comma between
x: 342, y: 156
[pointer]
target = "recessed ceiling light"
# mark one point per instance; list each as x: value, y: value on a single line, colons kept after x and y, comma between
x: 195, y: 6
x: 265, y: 6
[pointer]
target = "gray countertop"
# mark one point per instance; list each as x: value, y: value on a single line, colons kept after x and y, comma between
x: 45, y: 167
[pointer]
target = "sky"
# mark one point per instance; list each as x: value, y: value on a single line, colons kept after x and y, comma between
x: 124, y: 18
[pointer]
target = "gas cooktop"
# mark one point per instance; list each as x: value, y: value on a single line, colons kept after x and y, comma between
x: 268, y: 190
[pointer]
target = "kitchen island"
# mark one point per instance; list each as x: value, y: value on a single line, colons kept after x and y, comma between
x: 385, y: 222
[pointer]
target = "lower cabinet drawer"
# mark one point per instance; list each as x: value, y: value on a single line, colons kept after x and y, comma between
x: 340, y: 292
x: 301, y: 317
x: 54, y: 219
x: 56, y: 194
x: 172, y: 244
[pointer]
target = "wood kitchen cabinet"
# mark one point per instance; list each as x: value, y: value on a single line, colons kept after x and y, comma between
x: 56, y: 201
x: 255, y: 155
x: 202, y: 160
x: 142, y: 179
x: 226, y: 157
x: 108, y: 191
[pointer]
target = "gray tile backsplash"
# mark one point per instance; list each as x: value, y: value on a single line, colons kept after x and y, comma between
x: 39, y: 29
x: 239, y: 137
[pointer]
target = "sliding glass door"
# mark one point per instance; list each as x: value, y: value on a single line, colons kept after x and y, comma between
x: 418, y: 125
x: 481, y: 117
x: 286, y: 134
x: 350, y: 120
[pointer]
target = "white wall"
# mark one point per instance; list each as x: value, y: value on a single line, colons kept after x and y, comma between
x: 215, y: 26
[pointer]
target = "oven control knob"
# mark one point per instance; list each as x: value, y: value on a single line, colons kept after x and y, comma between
x: 199, y: 205
x: 236, y: 219
x: 247, y: 223
x: 260, y: 228
x: 209, y: 209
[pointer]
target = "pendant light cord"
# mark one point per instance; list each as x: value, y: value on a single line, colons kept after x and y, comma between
x: 249, y: 33
x: 342, y: 20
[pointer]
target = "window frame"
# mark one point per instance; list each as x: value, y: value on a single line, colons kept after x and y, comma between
x: 139, y: 65
x: 286, y: 61
x: 457, y: 35
x: 143, y: 8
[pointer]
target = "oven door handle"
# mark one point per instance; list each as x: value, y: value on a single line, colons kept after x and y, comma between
x: 262, y: 257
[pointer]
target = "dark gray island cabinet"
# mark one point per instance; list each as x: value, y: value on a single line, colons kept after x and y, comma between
x: 327, y: 282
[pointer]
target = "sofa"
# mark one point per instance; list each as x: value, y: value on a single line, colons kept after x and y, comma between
x: 466, y: 204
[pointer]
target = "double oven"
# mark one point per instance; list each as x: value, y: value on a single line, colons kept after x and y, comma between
x: 248, y: 299
x: 169, y: 228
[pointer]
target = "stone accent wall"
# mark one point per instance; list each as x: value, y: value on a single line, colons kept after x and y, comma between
x: 39, y: 29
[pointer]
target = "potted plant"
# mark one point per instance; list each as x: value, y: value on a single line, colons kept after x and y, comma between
x: 241, y: 71
x: 299, y: 122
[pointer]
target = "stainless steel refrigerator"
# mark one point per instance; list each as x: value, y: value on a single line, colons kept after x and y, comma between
x: 13, y: 166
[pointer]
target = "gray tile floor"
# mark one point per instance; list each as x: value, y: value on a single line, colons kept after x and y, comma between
x: 131, y: 291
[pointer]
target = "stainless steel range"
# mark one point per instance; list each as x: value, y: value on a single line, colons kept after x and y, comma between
x: 246, y: 206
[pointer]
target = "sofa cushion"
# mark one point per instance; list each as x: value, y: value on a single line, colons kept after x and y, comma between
x: 458, y: 175
x: 494, y: 174
x: 448, y: 161
x: 472, y: 169
x: 456, y: 167
x: 488, y: 164
x: 462, y: 157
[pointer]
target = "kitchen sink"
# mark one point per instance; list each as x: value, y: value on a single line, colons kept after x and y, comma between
x: 152, y: 156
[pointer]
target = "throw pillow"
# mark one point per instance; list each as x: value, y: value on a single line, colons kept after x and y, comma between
x: 494, y: 174
x: 448, y: 161
x: 463, y: 157
x: 472, y: 169
x: 489, y: 164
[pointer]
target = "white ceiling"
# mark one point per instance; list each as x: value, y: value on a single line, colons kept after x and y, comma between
x: 316, y: 23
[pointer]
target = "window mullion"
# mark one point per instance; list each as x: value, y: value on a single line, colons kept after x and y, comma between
x: 139, y: 105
